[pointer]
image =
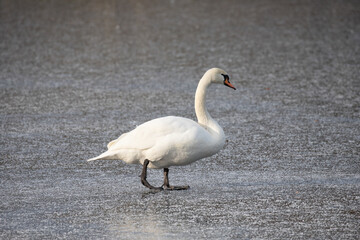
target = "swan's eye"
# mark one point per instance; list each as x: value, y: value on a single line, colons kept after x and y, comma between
x: 226, y: 77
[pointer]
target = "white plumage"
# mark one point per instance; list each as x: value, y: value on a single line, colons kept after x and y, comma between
x: 173, y: 141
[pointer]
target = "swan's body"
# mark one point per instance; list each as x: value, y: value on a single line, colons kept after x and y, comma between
x: 173, y: 141
x: 167, y: 141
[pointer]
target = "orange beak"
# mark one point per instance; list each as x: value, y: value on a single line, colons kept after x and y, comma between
x: 227, y: 83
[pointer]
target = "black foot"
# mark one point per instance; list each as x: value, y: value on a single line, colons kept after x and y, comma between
x: 143, y: 177
x: 148, y: 185
x: 166, y: 184
x: 170, y: 188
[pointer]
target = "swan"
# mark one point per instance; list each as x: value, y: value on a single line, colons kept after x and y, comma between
x: 172, y: 141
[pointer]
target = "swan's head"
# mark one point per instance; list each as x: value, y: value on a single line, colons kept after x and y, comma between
x: 219, y: 76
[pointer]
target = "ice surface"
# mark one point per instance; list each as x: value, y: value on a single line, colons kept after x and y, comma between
x: 76, y: 74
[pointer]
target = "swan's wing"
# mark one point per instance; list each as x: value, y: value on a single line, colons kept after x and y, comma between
x: 150, y: 133
x: 116, y: 140
x: 189, y: 142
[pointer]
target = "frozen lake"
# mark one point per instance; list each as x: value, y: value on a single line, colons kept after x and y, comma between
x: 76, y: 74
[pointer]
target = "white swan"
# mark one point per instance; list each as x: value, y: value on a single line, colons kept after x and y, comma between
x: 172, y: 141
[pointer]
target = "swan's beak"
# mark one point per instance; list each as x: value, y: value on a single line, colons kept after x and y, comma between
x: 227, y: 83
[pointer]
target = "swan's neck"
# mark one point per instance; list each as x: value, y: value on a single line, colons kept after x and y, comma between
x: 202, y: 114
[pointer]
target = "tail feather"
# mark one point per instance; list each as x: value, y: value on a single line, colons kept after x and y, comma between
x: 103, y: 156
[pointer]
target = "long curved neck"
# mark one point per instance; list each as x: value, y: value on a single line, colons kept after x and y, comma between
x: 202, y: 114
x: 200, y: 109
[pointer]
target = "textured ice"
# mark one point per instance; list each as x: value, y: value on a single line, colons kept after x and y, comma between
x: 76, y: 74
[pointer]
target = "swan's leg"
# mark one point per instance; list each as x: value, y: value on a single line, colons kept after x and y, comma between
x: 143, y: 177
x: 166, y: 178
x: 167, y: 185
